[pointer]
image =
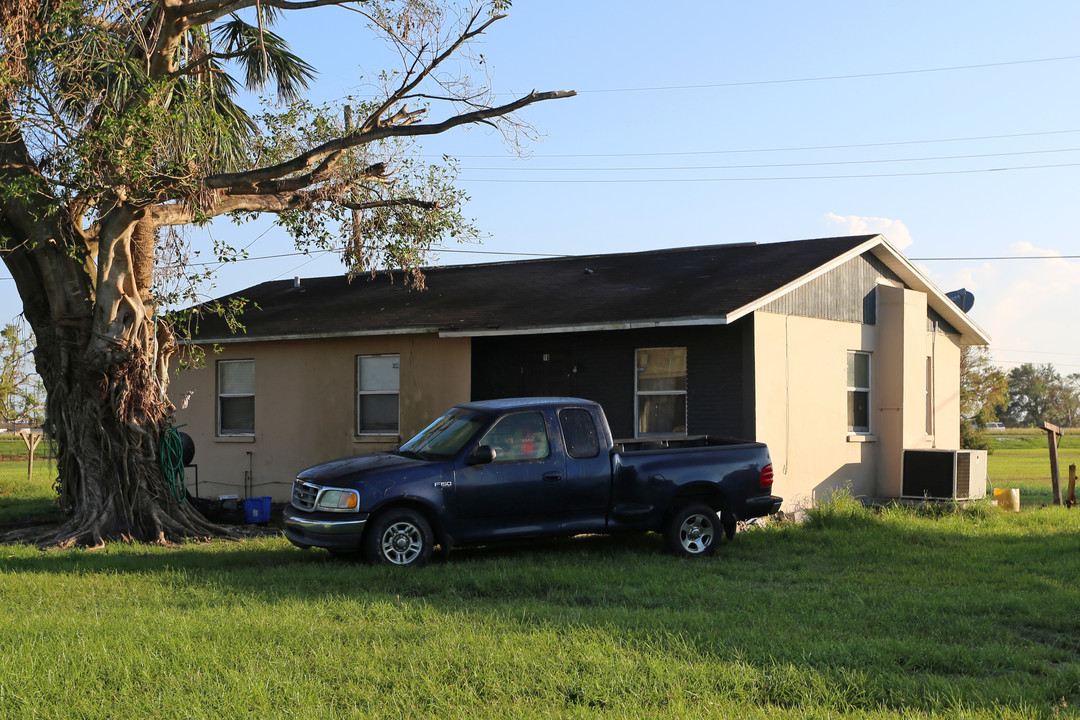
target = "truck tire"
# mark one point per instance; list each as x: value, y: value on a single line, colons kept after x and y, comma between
x: 693, y: 531
x: 399, y: 536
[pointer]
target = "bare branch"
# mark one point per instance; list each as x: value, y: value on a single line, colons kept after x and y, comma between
x: 312, y: 157
x: 467, y: 34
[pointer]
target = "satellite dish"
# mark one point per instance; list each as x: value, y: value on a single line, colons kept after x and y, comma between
x: 963, y: 298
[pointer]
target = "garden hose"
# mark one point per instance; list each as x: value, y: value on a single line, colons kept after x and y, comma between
x: 172, y: 464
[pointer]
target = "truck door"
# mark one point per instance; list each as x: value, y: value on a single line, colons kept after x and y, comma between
x: 587, y: 490
x: 517, y: 493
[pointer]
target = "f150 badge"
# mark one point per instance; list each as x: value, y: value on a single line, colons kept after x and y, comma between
x: 443, y: 484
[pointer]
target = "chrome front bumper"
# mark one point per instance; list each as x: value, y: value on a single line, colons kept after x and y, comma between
x: 325, y: 530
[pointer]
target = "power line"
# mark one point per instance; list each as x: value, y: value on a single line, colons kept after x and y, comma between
x: 1023, y: 362
x: 787, y: 149
x: 554, y: 255
x: 998, y: 257
x: 1037, y: 352
x: 780, y: 165
x: 771, y: 179
x: 823, y: 78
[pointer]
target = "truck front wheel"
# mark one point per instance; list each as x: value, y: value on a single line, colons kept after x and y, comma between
x: 399, y: 537
x: 693, y: 531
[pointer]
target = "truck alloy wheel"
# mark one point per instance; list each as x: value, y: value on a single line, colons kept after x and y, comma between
x: 399, y: 537
x: 693, y: 531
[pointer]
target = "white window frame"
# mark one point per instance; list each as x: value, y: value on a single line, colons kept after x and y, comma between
x: 859, y: 430
x: 221, y: 432
x: 361, y: 392
x: 638, y: 394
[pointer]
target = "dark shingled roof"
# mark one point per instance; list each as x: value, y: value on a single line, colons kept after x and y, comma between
x: 682, y: 284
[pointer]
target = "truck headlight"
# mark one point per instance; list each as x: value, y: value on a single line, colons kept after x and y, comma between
x: 338, y: 500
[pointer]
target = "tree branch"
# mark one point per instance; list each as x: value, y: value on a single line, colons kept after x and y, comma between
x: 468, y: 33
x: 183, y: 214
x: 200, y: 13
x: 302, y: 162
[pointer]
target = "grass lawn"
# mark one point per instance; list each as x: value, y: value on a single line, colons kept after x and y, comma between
x: 13, y: 447
x: 1021, y: 459
x: 20, y: 499
x: 895, y: 614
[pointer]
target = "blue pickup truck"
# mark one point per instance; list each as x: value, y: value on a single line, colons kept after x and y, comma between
x: 528, y: 467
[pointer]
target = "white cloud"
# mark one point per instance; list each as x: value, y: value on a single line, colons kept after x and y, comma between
x: 894, y: 230
x: 1025, y: 305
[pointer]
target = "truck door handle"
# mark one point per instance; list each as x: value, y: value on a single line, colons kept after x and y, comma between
x: 552, y: 477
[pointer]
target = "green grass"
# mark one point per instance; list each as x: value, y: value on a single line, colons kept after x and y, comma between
x: 20, y: 499
x: 12, y: 447
x: 951, y: 613
x: 1021, y: 459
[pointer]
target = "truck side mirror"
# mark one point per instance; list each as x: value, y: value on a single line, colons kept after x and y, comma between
x: 482, y: 455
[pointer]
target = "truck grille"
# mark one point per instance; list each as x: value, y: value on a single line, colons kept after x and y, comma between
x: 304, y: 495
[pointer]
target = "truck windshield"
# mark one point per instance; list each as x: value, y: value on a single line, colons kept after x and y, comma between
x: 446, y: 436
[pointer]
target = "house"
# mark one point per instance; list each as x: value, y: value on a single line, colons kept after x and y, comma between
x: 836, y: 352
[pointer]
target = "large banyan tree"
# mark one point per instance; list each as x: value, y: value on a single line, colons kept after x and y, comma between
x: 122, y: 121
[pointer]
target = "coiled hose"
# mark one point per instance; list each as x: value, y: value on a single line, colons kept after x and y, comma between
x: 172, y: 464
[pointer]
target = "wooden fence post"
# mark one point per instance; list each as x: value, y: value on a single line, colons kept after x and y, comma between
x: 31, y: 439
x: 1052, y: 432
x: 1071, y: 501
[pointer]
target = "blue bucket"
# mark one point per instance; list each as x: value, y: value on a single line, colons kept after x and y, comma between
x: 257, y: 510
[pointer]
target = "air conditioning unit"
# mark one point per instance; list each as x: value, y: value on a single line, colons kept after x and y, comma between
x: 944, y: 474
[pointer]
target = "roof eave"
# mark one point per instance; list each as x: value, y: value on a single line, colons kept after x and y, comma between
x: 588, y: 327
x: 970, y: 331
x: 233, y: 339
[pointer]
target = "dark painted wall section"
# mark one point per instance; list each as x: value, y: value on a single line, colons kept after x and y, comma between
x: 600, y: 366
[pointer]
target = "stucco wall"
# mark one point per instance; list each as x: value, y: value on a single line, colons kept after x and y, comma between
x: 305, y: 406
x: 800, y: 369
x: 801, y: 398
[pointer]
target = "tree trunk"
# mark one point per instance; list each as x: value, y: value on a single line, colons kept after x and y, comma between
x: 104, y: 361
x: 107, y: 419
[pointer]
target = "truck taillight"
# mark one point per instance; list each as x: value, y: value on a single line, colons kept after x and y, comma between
x: 766, y: 476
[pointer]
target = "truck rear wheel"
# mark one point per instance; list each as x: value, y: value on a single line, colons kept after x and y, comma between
x: 399, y: 536
x: 693, y: 531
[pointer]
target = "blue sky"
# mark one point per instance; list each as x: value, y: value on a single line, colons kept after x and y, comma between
x: 951, y: 127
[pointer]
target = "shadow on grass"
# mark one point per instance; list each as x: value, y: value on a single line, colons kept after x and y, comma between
x: 926, y: 614
x: 25, y: 512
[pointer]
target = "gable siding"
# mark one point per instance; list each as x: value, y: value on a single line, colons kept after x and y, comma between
x: 845, y: 293
x: 719, y: 377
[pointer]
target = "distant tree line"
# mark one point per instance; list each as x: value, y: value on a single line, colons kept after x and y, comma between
x: 1026, y: 396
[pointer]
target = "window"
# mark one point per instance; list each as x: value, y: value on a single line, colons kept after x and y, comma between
x: 579, y: 433
x: 446, y: 436
x: 661, y: 391
x: 236, y: 397
x: 522, y: 436
x: 858, y: 392
x: 377, y: 394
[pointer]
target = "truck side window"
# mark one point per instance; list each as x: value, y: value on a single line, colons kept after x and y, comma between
x: 579, y: 432
x: 518, y: 437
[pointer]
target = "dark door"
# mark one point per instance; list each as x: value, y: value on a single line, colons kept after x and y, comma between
x: 547, y: 374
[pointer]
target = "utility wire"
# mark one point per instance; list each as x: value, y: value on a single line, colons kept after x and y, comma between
x: 986, y: 258
x: 824, y: 78
x: 774, y: 178
x: 999, y: 257
x: 779, y: 165
x: 786, y: 149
